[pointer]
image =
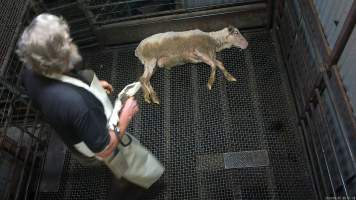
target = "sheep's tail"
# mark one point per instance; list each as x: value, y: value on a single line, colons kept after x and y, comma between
x: 138, y: 54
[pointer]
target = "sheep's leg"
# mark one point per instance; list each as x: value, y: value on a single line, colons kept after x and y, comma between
x: 209, y: 61
x: 227, y: 75
x: 149, y: 93
x: 145, y: 78
x: 153, y: 94
x: 212, y: 77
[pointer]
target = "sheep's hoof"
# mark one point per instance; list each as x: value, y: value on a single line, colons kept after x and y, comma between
x: 155, y: 99
x: 229, y: 77
x: 147, y: 100
x: 209, y: 86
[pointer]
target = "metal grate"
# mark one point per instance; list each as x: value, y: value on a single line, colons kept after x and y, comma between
x: 193, y: 127
x: 246, y: 159
x: 10, y: 15
x: 275, y: 111
x: 22, y: 133
x: 22, y: 143
x: 78, y: 182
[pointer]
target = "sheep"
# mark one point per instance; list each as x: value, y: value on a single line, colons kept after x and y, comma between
x: 170, y: 49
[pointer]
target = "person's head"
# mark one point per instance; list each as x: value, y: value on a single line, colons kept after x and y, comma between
x: 46, y: 47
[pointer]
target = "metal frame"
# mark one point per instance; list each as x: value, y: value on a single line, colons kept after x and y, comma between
x: 23, y: 134
x: 304, y: 40
x: 243, y: 17
x: 313, y: 109
x: 28, y: 149
x: 177, y: 10
x: 86, y: 37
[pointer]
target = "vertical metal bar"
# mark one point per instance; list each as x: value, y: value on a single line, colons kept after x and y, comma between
x: 43, y: 159
x: 20, y: 141
x: 28, y: 150
x: 312, y: 126
x: 34, y: 156
x: 325, y: 157
x: 322, y: 111
x: 340, y: 123
x: 310, y: 150
x: 8, y: 65
x: 19, y: 184
x: 12, y: 171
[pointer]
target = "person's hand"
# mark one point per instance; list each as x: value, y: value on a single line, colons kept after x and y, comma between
x: 127, y: 113
x: 108, y: 88
x: 114, y: 141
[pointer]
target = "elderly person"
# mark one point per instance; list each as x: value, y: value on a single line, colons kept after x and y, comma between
x: 76, y: 114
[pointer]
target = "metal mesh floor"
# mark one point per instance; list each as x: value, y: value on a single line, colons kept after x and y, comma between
x: 246, y: 125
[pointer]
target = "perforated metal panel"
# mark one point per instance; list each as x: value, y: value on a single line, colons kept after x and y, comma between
x: 10, y: 15
x: 193, y: 127
x: 246, y: 159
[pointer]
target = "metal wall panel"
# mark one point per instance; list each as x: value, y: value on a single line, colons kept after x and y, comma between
x: 10, y: 16
x: 332, y: 16
x: 347, y: 66
x: 301, y: 49
x: 332, y: 145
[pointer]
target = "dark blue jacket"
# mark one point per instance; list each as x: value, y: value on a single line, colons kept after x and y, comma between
x: 75, y: 114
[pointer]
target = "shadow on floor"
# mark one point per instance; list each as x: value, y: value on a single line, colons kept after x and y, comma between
x: 124, y: 190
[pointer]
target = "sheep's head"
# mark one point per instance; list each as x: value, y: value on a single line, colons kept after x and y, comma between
x: 235, y: 38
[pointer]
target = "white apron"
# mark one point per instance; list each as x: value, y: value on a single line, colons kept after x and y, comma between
x: 130, y: 160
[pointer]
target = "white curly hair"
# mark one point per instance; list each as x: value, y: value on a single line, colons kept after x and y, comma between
x: 46, y: 47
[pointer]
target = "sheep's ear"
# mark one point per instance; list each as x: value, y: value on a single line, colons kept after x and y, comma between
x: 231, y: 29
